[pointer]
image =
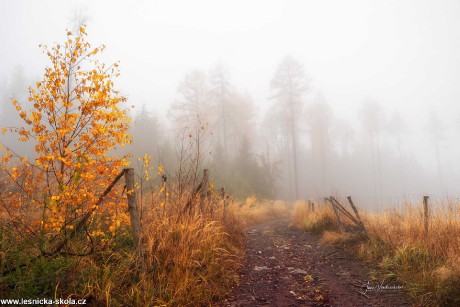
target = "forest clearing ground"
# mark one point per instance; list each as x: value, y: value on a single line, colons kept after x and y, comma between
x: 285, y: 266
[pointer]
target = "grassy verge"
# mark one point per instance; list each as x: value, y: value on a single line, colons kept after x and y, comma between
x: 427, y: 265
x: 253, y: 212
x: 189, y: 259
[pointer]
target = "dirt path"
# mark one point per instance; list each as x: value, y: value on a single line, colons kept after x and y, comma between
x: 288, y: 267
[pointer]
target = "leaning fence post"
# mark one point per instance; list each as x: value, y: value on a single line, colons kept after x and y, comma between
x: 132, y: 208
x: 357, y: 215
x: 339, y: 222
x: 426, y: 214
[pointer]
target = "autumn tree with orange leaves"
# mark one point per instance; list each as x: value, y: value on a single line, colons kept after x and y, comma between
x: 76, y: 118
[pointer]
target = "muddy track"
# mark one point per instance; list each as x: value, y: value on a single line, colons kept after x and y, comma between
x: 285, y: 266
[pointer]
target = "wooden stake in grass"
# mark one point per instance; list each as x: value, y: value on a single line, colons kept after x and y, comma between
x: 204, y: 191
x: 344, y: 211
x: 199, y: 189
x: 426, y: 214
x: 225, y: 203
x: 339, y: 222
x: 357, y: 215
x: 132, y: 207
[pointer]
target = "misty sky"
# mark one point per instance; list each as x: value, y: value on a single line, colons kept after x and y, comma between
x: 402, y: 54
x: 398, y: 52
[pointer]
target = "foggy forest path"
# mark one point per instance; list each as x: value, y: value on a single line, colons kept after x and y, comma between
x: 285, y: 266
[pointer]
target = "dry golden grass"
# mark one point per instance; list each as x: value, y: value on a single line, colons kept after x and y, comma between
x: 252, y: 211
x: 427, y: 264
x: 317, y: 221
x: 189, y: 259
x: 335, y: 238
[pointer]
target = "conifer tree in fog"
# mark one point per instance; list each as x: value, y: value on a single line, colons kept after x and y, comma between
x: 289, y: 85
x: 372, y: 120
x: 397, y: 127
x: 146, y: 133
x: 319, y: 120
x: 221, y: 95
x: 345, y: 136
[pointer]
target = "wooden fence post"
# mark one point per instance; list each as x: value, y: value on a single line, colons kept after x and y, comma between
x: 204, y: 191
x: 357, y: 215
x: 225, y: 203
x: 202, y: 188
x: 342, y: 229
x: 426, y: 214
x: 344, y: 211
x: 132, y: 208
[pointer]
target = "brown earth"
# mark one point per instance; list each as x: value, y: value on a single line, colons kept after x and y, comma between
x: 285, y: 266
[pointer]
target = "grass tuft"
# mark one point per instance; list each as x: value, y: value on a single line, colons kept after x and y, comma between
x: 317, y: 221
